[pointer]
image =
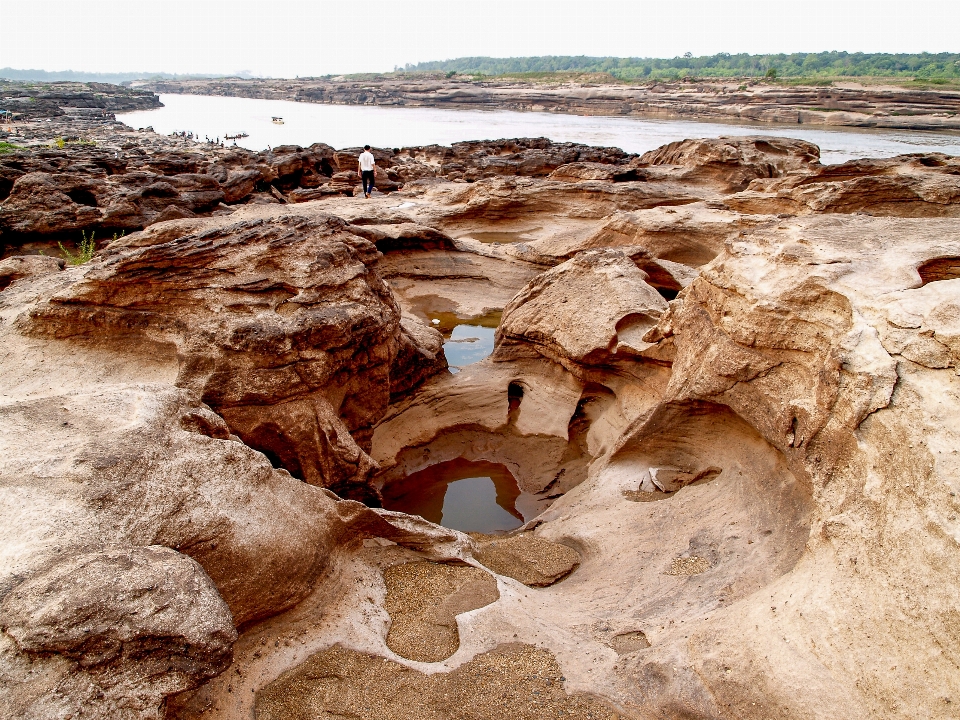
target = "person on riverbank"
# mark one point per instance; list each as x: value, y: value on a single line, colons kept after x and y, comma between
x: 367, y: 165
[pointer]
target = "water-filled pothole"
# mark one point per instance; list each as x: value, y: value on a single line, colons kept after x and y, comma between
x: 466, y: 495
x: 467, y: 344
x: 466, y: 339
x: 502, y: 236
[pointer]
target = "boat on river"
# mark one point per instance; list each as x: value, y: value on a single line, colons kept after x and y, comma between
x: 236, y: 137
x: 278, y: 121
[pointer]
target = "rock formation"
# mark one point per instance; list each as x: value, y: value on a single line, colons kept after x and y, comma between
x: 907, y: 186
x: 112, y: 180
x: 30, y: 101
x: 723, y: 377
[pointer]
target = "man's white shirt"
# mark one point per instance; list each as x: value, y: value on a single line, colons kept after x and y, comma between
x: 366, y: 161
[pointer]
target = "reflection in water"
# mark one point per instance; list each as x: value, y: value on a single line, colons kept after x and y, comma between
x: 471, y: 496
x: 467, y: 339
x: 468, y: 344
x: 502, y: 236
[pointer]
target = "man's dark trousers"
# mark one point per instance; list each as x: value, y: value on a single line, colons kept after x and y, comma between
x: 367, y: 176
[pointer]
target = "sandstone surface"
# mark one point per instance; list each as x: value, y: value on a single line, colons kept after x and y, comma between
x: 907, y: 186
x: 110, y: 179
x: 732, y: 163
x: 723, y: 376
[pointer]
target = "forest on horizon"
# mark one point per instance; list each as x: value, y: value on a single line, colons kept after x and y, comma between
x: 926, y: 66
x: 931, y: 68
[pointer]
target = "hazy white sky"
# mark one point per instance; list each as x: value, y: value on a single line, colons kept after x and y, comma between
x: 285, y: 38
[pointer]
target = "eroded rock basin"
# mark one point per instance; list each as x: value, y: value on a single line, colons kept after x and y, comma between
x: 466, y: 339
x: 470, y: 496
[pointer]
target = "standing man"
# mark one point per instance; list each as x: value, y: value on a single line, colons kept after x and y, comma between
x: 367, y: 164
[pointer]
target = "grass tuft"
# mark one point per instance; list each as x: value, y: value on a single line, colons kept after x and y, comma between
x: 85, y: 250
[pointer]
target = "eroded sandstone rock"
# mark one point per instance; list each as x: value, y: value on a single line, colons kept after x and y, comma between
x: 611, y: 309
x: 791, y: 409
x: 24, y: 266
x: 283, y: 327
x: 135, y: 610
x: 731, y: 163
x: 121, y: 479
x: 906, y: 186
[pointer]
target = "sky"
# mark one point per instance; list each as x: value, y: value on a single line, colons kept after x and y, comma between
x: 289, y: 38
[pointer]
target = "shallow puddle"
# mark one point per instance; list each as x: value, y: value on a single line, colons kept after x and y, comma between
x: 468, y: 344
x: 467, y: 339
x: 502, y: 236
x: 466, y: 495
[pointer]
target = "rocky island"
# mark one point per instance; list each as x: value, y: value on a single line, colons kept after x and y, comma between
x: 724, y: 379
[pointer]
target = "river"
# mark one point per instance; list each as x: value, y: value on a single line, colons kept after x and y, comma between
x: 352, y: 125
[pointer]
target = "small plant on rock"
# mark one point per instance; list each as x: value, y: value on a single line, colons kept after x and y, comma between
x: 60, y: 142
x: 85, y: 250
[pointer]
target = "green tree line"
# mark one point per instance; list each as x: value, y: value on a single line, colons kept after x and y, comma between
x: 930, y: 66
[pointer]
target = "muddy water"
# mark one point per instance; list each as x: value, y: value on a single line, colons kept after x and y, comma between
x: 466, y: 495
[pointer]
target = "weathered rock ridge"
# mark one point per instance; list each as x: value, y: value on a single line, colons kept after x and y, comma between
x: 114, y: 180
x: 29, y: 101
x: 723, y: 375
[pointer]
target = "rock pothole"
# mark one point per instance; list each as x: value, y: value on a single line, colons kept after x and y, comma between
x: 423, y: 600
x: 514, y: 681
x: 470, y: 496
x: 629, y: 642
x: 685, y: 566
x: 944, y: 268
x: 531, y: 560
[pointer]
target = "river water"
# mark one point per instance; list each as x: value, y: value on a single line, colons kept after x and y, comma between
x: 352, y: 125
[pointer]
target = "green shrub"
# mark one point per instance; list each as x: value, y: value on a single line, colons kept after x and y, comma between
x: 85, y: 250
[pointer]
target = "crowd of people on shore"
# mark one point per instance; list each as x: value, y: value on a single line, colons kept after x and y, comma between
x: 206, y: 139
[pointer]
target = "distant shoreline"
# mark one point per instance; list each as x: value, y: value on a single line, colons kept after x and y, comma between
x: 846, y: 105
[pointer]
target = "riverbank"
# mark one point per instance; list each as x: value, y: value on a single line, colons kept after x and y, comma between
x: 842, y: 105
